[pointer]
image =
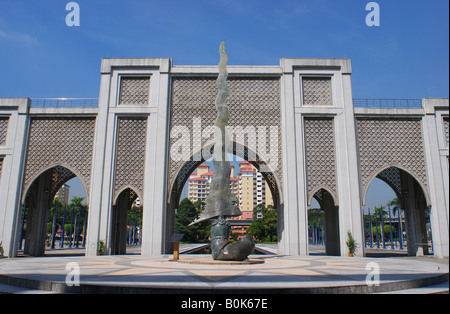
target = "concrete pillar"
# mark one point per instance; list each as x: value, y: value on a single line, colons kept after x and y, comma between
x: 13, y: 167
x: 98, y: 159
x: 331, y: 213
x: 436, y: 153
x: 37, y: 220
x: 155, y: 211
x: 119, y: 224
x: 349, y: 197
x: 293, y: 236
x: 414, y: 216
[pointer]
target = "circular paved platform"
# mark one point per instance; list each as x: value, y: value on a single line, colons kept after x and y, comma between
x: 209, y: 261
x: 137, y: 274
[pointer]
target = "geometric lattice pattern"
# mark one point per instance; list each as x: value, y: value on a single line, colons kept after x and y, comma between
x: 446, y: 130
x: 317, y: 91
x: 320, y: 156
x: 130, y: 155
x: 66, y: 142
x: 393, y: 178
x: 252, y: 101
x: 134, y: 90
x: 60, y: 175
x: 385, y: 143
x: 3, y: 130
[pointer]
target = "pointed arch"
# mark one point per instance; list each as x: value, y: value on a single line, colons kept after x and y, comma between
x: 394, y: 186
x: 132, y: 190
x: 59, y: 182
x: 318, y: 189
x: 205, y: 153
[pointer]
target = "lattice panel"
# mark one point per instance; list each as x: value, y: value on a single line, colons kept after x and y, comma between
x: 388, y: 143
x: 252, y: 101
x: 60, y: 141
x: 130, y: 154
x: 446, y: 130
x: 320, y: 155
x: 134, y: 90
x: 392, y: 177
x: 3, y: 130
x: 60, y: 175
x: 317, y: 91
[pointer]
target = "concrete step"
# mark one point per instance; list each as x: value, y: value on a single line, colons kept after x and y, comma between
x: 5, y: 289
x: 441, y: 288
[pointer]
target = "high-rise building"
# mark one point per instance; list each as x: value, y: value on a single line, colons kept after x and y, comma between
x: 199, y: 183
x: 64, y: 192
x: 250, y: 189
x: 253, y: 189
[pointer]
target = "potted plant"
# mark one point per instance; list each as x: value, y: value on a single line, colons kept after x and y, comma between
x: 1, y: 249
x: 100, y: 247
x: 351, y: 244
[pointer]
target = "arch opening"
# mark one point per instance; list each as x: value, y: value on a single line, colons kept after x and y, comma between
x: 238, y: 156
x: 54, y: 214
x: 398, y: 222
x: 323, y: 224
x: 126, y: 223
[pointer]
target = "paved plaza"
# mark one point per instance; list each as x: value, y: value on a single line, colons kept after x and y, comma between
x: 278, y: 274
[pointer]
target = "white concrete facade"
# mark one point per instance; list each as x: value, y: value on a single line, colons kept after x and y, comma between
x: 294, y: 194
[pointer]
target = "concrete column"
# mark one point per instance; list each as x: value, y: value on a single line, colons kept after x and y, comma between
x: 436, y: 154
x: 95, y: 194
x: 13, y: 168
x: 38, y: 221
x: 350, y: 215
x: 331, y: 213
x: 155, y: 215
x: 293, y: 233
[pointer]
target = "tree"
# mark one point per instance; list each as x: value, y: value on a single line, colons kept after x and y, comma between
x: 264, y: 229
x: 315, y: 216
x: 77, y: 216
x: 135, y: 215
x: 395, y: 205
x: 53, y: 219
x: 188, y: 212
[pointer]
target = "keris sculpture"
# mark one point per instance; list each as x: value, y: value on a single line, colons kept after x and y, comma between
x: 221, y: 203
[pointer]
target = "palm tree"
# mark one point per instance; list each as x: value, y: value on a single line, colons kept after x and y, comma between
x: 56, y: 205
x: 381, y: 212
x: 79, y: 211
x: 395, y: 203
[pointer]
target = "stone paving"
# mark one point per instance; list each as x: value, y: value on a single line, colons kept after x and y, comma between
x: 278, y: 274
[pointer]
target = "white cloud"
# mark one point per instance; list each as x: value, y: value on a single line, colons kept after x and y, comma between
x: 18, y: 37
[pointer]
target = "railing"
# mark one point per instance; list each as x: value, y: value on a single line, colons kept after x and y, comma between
x: 64, y: 103
x: 93, y: 103
x: 387, y: 103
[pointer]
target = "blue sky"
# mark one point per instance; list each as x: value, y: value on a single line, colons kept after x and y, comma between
x: 407, y: 56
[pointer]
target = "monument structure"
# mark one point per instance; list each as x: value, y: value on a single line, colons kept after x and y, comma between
x: 153, y: 124
x: 221, y: 202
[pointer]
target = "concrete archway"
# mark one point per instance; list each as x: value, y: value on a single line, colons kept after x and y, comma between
x: 412, y: 198
x: 122, y: 204
x: 328, y: 205
x: 201, y: 156
x: 37, y: 200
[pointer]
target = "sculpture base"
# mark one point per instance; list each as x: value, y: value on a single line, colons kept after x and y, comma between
x: 210, y: 261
